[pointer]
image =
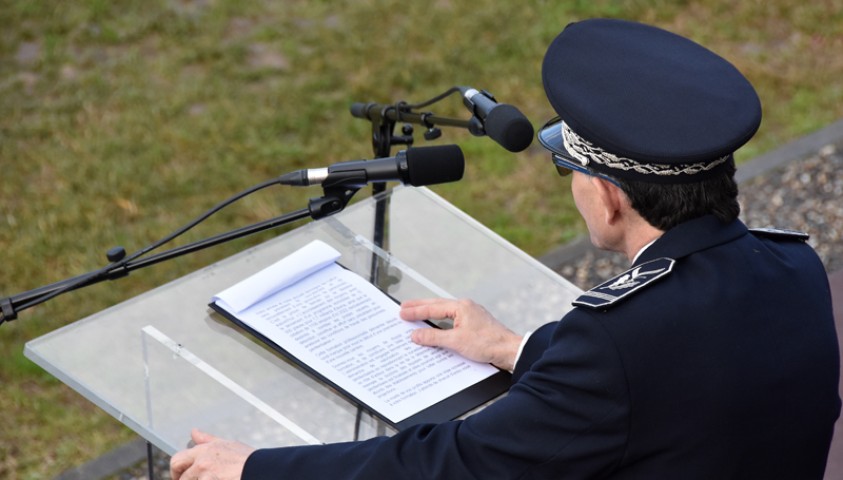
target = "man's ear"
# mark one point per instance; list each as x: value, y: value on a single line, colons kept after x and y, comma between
x: 612, y: 199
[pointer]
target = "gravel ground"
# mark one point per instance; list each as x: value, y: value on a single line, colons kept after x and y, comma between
x: 804, y: 194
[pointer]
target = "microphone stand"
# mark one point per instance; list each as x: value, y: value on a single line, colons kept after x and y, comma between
x: 334, y: 200
x: 382, y: 141
x: 384, y: 119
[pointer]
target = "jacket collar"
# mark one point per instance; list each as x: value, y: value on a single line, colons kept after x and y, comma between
x: 693, y: 236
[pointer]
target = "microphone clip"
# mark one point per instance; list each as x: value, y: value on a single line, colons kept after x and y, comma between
x: 334, y: 200
x: 475, y: 124
x: 468, y: 95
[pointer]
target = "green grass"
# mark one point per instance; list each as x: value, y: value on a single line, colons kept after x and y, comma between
x: 120, y: 121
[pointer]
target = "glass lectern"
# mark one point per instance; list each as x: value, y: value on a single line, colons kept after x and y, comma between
x: 172, y: 364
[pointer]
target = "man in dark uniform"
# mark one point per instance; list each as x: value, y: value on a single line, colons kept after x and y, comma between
x: 714, y: 356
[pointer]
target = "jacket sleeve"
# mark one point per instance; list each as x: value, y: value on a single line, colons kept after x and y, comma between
x: 535, y: 347
x: 566, y: 414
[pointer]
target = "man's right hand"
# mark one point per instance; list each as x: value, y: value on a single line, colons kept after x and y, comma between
x: 476, y: 334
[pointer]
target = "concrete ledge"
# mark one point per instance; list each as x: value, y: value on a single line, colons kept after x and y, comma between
x: 109, y: 464
x: 567, y: 253
x: 795, y: 150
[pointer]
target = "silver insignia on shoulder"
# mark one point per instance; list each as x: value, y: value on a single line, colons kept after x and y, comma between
x: 612, y: 291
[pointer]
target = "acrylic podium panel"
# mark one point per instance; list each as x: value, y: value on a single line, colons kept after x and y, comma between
x: 163, y: 362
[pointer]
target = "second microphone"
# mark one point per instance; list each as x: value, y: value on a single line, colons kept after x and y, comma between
x: 416, y: 166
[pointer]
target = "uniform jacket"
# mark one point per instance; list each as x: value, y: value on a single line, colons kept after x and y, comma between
x: 720, y: 365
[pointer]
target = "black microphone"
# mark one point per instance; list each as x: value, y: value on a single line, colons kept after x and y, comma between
x: 503, y: 123
x: 415, y: 166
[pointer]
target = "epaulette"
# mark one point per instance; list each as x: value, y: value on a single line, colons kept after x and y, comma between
x: 631, y: 281
x: 780, y: 233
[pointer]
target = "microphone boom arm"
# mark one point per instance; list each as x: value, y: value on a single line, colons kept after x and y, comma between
x: 333, y: 201
x: 501, y: 122
x: 384, y: 118
x: 400, y: 112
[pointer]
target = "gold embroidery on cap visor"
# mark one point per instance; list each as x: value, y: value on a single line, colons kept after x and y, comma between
x: 556, y: 135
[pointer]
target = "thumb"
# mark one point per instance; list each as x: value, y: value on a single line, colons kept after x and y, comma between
x: 199, y: 437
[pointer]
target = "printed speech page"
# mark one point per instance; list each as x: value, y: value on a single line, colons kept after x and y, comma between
x: 340, y: 325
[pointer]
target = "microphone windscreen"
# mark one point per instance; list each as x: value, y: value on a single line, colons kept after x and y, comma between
x: 432, y: 165
x: 358, y: 110
x: 509, y: 127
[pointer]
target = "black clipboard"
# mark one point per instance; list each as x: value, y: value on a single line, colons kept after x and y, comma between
x: 448, y: 409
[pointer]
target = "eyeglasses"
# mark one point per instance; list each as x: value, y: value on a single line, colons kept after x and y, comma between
x: 566, y: 166
x: 550, y: 136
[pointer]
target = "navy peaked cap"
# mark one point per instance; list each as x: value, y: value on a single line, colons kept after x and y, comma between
x: 641, y: 103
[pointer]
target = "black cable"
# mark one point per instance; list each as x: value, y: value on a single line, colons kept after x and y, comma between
x: 432, y: 100
x: 116, y: 265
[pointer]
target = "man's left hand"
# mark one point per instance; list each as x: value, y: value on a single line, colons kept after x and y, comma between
x: 211, y: 458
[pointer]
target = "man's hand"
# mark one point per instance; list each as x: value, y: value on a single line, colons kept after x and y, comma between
x: 212, y: 458
x: 476, y: 334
